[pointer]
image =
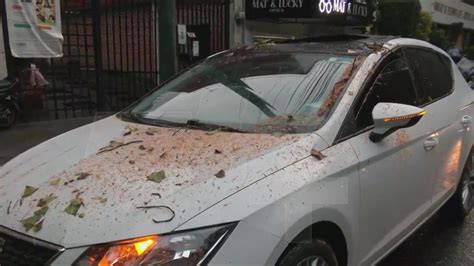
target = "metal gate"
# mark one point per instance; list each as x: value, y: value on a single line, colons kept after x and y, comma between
x: 207, y: 22
x: 111, y: 53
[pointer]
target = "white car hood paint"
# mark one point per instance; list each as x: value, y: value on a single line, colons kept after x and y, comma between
x: 118, y: 183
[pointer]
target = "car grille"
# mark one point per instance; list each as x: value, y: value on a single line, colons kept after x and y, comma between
x: 15, y: 250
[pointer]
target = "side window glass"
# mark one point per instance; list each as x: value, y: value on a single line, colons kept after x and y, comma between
x: 431, y: 72
x: 393, y: 84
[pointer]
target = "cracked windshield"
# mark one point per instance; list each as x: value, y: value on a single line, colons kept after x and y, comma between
x: 236, y: 132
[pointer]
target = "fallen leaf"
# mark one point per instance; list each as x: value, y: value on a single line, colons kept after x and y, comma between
x: 73, y: 206
x: 34, y: 222
x: 317, y: 154
x: 82, y: 176
x: 82, y: 215
x: 220, y: 174
x: 163, y: 155
x: 151, y: 131
x: 127, y: 132
x: 141, y: 147
x: 150, y: 149
x: 42, y: 211
x: 54, y: 181
x: 131, y: 162
x: 46, y: 200
x: 29, y: 190
x: 278, y: 134
x: 104, y: 200
x: 37, y: 227
x: 216, y: 151
x: 30, y: 222
x: 157, y: 177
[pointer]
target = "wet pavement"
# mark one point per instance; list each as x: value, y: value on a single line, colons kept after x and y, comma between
x: 436, y: 243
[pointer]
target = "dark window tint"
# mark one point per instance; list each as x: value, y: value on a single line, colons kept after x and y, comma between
x: 393, y: 84
x: 432, y: 74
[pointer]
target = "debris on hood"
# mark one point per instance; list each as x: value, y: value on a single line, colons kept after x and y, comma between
x: 220, y: 174
x: 74, y: 206
x: 29, y: 190
x: 157, y: 177
x: 35, y: 222
x: 160, y: 207
x: 82, y: 176
x: 117, y: 144
x: 317, y: 154
x: 54, y: 181
x: 46, y: 200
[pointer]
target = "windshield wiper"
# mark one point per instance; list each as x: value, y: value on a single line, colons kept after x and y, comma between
x: 134, y: 117
x: 196, y: 124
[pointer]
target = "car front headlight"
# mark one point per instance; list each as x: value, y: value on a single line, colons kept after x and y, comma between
x: 184, y: 248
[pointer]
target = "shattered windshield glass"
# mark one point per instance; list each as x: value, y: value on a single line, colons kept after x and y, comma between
x: 259, y: 92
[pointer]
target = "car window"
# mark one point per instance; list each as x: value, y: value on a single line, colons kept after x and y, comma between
x: 393, y: 84
x: 252, y: 91
x: 431, y: 72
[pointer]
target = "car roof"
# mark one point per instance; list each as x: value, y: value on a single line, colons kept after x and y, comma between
x: 334, y: 44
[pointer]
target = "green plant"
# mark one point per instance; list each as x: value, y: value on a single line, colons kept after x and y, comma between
x: 398, y: 17
x: 438, y: 37
x: 424, y: 27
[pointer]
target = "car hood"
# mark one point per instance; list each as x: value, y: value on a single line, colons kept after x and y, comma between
x: 88, y: 185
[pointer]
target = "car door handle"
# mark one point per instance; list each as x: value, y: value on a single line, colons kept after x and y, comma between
x: 466, y: 120
x: 430, y: 143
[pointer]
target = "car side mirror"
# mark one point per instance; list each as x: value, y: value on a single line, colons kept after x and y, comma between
x: 390, y: 117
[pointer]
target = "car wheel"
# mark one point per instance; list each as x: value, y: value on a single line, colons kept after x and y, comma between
x: 10, y: 117
x: 317, y: 253
x: 461, y: 203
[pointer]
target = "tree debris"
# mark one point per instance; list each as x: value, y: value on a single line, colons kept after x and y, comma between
x: 157, y: 177
x: 216, y: 151
x: 55, y: 181
x: 29, y: 190
x: 317, y: 154
x: 74, y: 206
x: 127, y: 132
x: 220, y: 174
x: 151, y: 131
x: 142, y: 147
x: 82, y: 176
x: 116, y: 144
x: 35, y: 222
x: 46, y: 200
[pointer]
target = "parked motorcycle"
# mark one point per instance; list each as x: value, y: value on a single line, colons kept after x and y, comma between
x: 9, y: 103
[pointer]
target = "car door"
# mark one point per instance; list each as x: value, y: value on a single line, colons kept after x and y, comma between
x: 445, y: 118
x: 395, y: 182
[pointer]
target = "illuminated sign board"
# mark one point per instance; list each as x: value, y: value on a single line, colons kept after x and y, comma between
x: 360, y: 10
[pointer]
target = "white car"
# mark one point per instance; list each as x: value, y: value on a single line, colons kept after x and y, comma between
x: 310, y: 152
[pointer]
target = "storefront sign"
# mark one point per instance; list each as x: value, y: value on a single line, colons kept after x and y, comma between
x: 34, y: 28
x: 261, y: 9
x: 319, y: 9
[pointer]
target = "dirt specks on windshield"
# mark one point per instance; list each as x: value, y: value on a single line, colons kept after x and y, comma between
x: 339, y: 86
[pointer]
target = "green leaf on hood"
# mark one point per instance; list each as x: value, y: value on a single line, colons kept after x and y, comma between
x: 37, y: 227
x: 55, y: 181
x: 42, y: 212
x: 73, y: 206
x: 29, y: 190
x: 30, y: 222
x: 34, y: 222
x: 46, y: 200
x: 157, y: 177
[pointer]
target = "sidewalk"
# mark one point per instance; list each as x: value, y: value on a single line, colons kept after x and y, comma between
x: 25, y: 136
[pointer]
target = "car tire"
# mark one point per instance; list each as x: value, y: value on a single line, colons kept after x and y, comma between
x: 461, y: 203
x: 318, y: 253
x: 11, y: 116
